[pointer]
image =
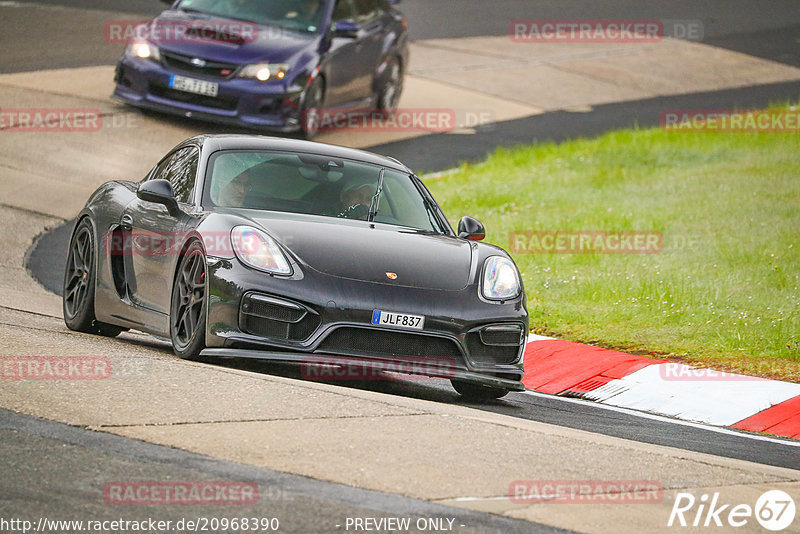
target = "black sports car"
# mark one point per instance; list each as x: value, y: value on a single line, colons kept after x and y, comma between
x: 299, y: 252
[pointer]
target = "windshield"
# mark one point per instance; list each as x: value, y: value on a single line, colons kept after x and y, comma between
x: 318, y: 185
x: 299, y: 15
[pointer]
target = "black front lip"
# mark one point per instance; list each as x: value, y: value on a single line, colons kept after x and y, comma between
x: 331, y: 359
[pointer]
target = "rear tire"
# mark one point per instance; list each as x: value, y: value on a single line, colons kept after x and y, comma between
x: 187, y: 317
x: 77, y: 300
x: 477, y: 392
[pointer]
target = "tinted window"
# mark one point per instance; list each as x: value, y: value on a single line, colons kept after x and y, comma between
x: 300, y: 15
x: 180, y: 168
x: 316, y: 185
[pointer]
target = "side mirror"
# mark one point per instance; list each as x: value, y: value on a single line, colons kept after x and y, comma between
x: 160, y: 192
x: 345, y: 28
x: 472, y: 229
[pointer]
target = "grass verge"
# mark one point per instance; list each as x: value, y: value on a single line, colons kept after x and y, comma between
x: 724, y: 289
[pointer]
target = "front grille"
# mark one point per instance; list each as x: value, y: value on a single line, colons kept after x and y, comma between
x: 273, y: 310
x: 265, y: 316
x: 261, y: 327
x: 212, y: 69
x: 216, y: 102
x: 502, y: 335
x: 482, y: 354
x: 271, y: 107
x: 389, y: 344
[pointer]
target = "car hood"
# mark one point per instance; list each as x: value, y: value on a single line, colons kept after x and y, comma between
x: 225, y: 40
x: 373, y: 253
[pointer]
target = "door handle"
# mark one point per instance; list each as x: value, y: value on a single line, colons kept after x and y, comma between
x: 127, y: 222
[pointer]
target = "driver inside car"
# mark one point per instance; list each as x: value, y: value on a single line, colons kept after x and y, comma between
x: 355, y: 200
x: 234, y: 193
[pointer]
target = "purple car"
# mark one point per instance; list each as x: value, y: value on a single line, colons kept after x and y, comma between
x: 266, y: 64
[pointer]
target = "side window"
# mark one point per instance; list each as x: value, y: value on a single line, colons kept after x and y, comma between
x: 180, y: 169
x: 344, y: 10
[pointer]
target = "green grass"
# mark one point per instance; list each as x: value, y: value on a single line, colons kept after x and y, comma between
x: 724, y: 292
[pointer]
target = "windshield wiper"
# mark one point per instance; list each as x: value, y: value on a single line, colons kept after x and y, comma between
x: 373, y: 207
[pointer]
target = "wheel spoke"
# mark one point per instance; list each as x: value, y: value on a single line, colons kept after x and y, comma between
x: 86, y: 252
x: 79, y: 293
x: 190, y: 323
x: 188, y: 300
x: 195, y: 269
x: 186, y: 284
x: 183, y: 287
x: 80, y: 249
x: 180, y: 325
x: 72, y: 286
x: 185, y: 321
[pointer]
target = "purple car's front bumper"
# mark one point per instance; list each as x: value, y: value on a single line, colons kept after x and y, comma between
x: 271, y: 106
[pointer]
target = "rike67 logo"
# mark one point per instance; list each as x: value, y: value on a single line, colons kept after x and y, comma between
x: 774, y: 510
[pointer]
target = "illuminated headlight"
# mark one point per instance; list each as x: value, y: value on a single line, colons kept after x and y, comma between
x: 144, y: 50
x: 265, y: 71
x: 256, y: 249
x: 500, y: 279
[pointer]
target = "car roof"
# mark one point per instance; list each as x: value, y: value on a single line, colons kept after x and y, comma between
x: 213, y: 143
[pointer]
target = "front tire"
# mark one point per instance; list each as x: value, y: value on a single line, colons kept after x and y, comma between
x: 77, y: 300
x: 187, y: 318
x: 477, y: 392
x: 310, y: 110
x: 391, y: 89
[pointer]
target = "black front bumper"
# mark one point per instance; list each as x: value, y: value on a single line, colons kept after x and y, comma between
x: 382, y: 365
x: 316, y: 318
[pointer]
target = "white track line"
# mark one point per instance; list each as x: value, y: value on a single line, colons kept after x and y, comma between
x: 697, y: 395
x: 661, y: 418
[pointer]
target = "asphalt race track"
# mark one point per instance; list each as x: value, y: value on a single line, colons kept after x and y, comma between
x: 313, y: 484
x: 313, y: 505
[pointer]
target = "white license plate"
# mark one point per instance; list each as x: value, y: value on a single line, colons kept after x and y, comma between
x: 398, y: 320
x: 190, y: 85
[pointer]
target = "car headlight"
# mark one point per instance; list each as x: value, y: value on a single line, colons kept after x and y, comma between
x: 265, y: 71
x: 256, y: 249
x: 500, y: 279
x: 144, y: 50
